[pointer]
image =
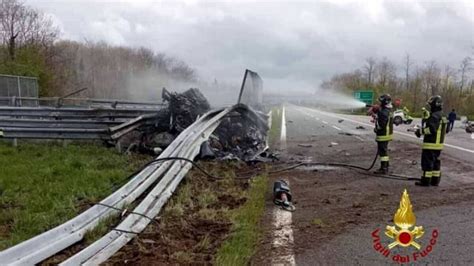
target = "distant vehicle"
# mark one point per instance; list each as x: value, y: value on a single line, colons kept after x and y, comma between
x: 470, y: 128
x: 467, y: 125
x: 402, y: 117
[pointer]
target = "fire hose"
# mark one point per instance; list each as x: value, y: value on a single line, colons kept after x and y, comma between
x: 389, y: 176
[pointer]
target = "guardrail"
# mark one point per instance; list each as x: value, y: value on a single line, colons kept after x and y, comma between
x: 168, y: 174
x: 49, y: 123
x: 83, y: 102
x: 44, y: 122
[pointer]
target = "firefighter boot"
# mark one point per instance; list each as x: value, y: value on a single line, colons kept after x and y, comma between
x: 383, y: 170
x: 424, y: 182
x: 435, y: 180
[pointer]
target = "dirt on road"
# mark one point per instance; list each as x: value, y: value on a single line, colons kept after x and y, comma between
x: 331, y: 201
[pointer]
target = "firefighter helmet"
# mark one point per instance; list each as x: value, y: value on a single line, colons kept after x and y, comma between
x: 435, y: 103
x: 385, y: 100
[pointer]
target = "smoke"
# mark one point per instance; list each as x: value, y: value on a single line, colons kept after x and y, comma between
x: 306, y: 94
x: 148, y: 85
x: 336, y: 100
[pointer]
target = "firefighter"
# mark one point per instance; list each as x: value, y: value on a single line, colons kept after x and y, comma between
x: 434, y: 131
x: 384, y: 131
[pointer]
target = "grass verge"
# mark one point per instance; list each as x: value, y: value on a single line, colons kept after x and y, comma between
x: 45, y: 184
x: 240, y: 247
x: 205, y: 222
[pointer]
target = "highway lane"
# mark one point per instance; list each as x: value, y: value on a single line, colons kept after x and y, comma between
x: 458, y: 143
x: 351, y: 204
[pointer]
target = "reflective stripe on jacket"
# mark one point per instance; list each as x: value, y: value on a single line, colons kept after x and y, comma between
x: 384, y: 125
x: 434, y: 131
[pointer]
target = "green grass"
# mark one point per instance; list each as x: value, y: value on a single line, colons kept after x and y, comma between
x: 45, y: 184
x: 241, y: 245
x: 275, y: 130
x: 101, y: 229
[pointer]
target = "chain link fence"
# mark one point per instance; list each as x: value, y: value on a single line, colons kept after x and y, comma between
x: 18, y: 86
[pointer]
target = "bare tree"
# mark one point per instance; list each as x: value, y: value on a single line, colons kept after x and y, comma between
x: 464, y: 69
x: 21, y: 25
x: 449, y: 97
x: 369, y: 70
x: 417, y: 84
x: 431, y: 78
x: 449, y: 74
x: 408, y: 63
x: 385, y: 72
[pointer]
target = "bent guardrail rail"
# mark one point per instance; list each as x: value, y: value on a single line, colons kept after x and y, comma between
x: 38, y: 248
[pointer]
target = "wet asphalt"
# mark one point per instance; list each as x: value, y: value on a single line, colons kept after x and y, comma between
x: 455, y: 243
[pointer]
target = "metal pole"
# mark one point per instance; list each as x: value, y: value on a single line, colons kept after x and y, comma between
x: 19, y: 90
x: 73, y: 93
x: 243, y: 84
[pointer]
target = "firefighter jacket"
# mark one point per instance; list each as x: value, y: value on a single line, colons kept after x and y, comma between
x: 384, y: 125
x: 434, y: 131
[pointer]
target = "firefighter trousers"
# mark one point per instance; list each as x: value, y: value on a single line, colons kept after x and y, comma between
x: 382, y: 150
x: 430, y: 163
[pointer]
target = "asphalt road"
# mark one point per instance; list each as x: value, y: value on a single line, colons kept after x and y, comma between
x: 338, y: 209
x: 458, y: 143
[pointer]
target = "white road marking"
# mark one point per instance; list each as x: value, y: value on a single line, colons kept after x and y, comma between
x: 267, y: 142
x: 359, y: 138
x: 269, y: 119
x: 325, y: 122
x: 283, y: 237
x: 395, y: 131
x: 336, y: 128
x: 283, y: 129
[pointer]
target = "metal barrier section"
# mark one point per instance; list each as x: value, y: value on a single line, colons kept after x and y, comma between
x: 163, y: 178
x: 251, y: 91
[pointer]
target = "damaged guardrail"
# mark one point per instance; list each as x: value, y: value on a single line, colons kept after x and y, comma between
x: 168, y: 174
x: 83, y: 102
x: 109, y: 124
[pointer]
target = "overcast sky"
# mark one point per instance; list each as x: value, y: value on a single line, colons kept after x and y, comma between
x: 294, y: 43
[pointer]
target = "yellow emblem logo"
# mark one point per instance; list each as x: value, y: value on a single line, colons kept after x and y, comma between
x: 404, y: 219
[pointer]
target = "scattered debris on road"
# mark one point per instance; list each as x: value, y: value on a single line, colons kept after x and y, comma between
x: 360, y: 127
x: 346, y: 133
x: 340, y: 120
x: 333, y: 144
x: 282, y: 195
x: 305, y: 145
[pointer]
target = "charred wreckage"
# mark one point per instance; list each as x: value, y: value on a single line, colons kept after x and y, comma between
x: 241, y: 135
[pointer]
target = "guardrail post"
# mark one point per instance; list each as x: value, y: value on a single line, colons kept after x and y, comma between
x: 118, y: 146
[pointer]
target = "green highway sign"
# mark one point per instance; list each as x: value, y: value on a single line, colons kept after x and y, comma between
x: 364, y: 96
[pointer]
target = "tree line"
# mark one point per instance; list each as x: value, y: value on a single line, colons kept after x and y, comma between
x: 30, y: 46
x: 412, y: 83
